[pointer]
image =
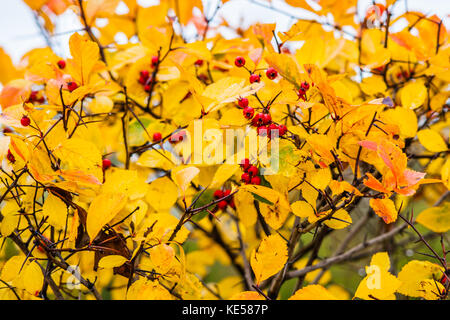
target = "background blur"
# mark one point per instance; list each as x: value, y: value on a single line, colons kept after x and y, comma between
x: 19, y: 31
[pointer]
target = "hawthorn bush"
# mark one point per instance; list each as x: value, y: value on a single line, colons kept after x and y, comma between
x: 116, y: 182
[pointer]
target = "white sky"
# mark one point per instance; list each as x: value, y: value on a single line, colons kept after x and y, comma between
x: 19, y: 32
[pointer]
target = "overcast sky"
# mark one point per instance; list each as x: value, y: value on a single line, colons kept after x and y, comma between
x: 19, y: 32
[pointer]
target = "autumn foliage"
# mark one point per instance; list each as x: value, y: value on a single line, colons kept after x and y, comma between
x: 103, y: 197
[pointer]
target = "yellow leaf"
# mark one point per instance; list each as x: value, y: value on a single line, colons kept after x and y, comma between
x: 223, y: 173
x: 379, y: 283
x: 340, y: 220
x: 85, y: 55
x: 156, y: 159
x: 127, y: 182
x: 274, y: 214
x: 313, y: 292
x: 99, y: 9
x: 183, y: 176
x: 413, y: 95
x: 79, y: 154
x: 432, y: 140
x: 101, y: 104
x: 445, y: 173
x: 436, y: 219
x: 144, y: 289
x: 384, y: 208
x: 299, y: 4
x: 286, y: 65
x: 269, y: 258
x: 11, y: 268
x: 56, y: 210
x: 245, y: 208
x: 227, y: 90
x: 162, y: 226
x: 404, y: 118
x: 111, y: 261
x: 162, y: 194
x: 102, y: 210
x: 33, y: 278
x: 162, y: 257
x: 412, y: 276
x: 303, y: 209
x: 267, y: 193
x: 373, y: 85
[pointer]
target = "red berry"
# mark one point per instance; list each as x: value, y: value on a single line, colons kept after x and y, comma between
x: 305, y: 86
x: 142, y: 80
x: 248, y: 112
x: 258, y: 119
x: 255, y: 78
x: 262, y: 131
x: 283, y: 130
x: 25, y: 121
x: 61, y: 64
x: 245, y: 164
x: 271, y: 73
x: 155, y: 60
x: 178, y: 136
x: 106, y: 164
x: 218, y: 194
x: 273, y: 127
x: 245, y: 177
x: 7, y: 130
x: 157, y: 136
x: 243, y: 102
x: 256, y: 180
x: 147, y: 88
x: 12, y: 159
x: 253, y: 171
x: 239, y: 62
x: 33, y: 96
x: 71, y: 86
x: 199, y: 62
x: 222, y: 205
x: 266, y: 118
x: 144, y: 74
x: 226, y: 192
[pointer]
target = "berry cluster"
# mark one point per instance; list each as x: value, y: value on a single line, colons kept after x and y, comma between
x: 302, y: 91
x: 251, y: 173
x: 222, y: 205
x: 145, y: 78
x: 271, y: 73
x: 262, y: 120
x: 34, y: 97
